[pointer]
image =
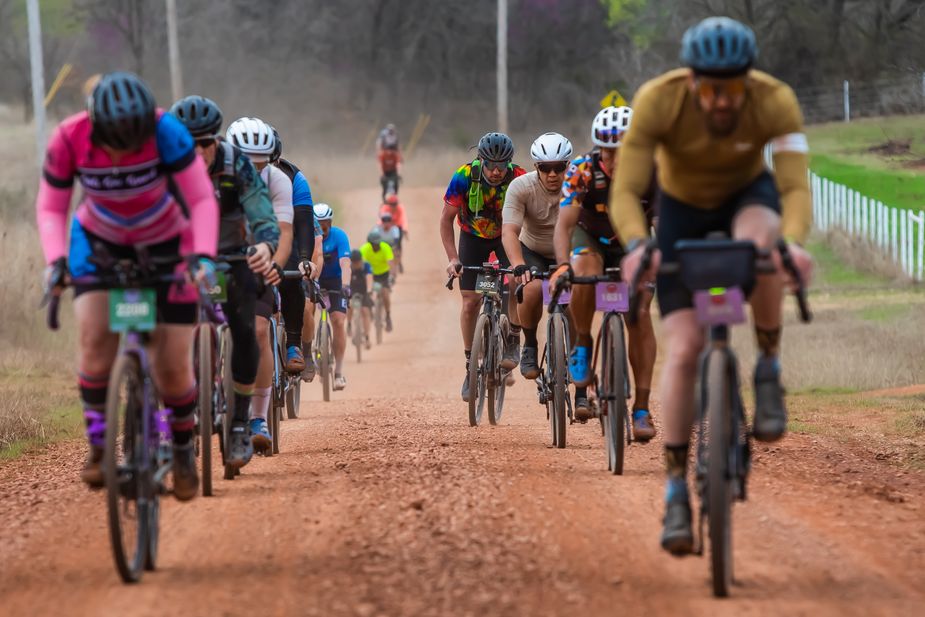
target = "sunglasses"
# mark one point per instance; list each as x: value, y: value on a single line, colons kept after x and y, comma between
x: 548, y: 168
x: 712, y: 89
x: 205, y: 142
x: 495, y: 165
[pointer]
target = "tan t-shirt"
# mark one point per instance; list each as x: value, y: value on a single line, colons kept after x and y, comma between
x: 528, y: 204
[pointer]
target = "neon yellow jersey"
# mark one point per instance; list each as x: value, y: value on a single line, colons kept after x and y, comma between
x: 377, y: 260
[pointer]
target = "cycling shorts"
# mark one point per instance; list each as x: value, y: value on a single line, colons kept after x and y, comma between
x: 172, y: 308
x: 364, y: 299
x: 474, y: 251
x: 337, y: 301
x: 681, y: 221
x: 384, y: 279
x: 610, y: 251
x: 535, y: 260
x: 267, y: 302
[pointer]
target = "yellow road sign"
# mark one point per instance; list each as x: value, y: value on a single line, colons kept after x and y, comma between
x: 613, y: 99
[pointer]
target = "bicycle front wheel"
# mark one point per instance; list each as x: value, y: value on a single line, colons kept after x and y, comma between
x: 498, y: 381
x: 613, y: 397
x: 479, y: 362
x: 324, y: 358
x: 379, y: 319
x: 356, y: 329
x: 204, y: 373
x: 558, y: 365
x: 719, y: 477
x: 125, y: 468
x: 227, y: 407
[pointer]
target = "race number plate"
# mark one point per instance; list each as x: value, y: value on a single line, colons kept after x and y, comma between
x: 613, y: 297
x: 488, y: 284
x: 564, y: 297
x: 720, y: 306
x: 219, y: 293
x: 132, y: 309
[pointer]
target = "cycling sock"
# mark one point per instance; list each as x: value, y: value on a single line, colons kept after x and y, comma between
x: 768, y: 340
x: 260, y: 403
x: 242, y: 403
x: 93, y: 396
x: 338, y: 367
x: 530, y: 337
x: 642, y: 399
x: 183, y: 417
x: 581, y: 393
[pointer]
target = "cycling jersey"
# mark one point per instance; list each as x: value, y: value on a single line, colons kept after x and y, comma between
x: 535, y: 210
x: 305, y: 227
x: 244, y: 201
x: 378, y: 260
x: 391, y: 236
x: 129, y: 202
x: 398, y: 215
x: 358, y: 278
x: 479, y: 204
x: 389, y: 160
x: 280, y: 192
x: 335, y: 246
x: 587, y: 185
x: 704, y: 171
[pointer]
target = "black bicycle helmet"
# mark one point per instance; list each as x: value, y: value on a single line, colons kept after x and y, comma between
x: 719, y: 46
x: 374, y: 237
x: 277, y: 147
x: 202, y: 117
x: 122, y: 111
x: 496, y: 147
x: 356, y: 255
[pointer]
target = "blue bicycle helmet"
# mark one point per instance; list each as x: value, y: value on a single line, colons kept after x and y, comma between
x: 719, y: 46
x: 122, y: 111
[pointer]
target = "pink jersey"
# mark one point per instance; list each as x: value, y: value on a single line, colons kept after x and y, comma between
x: 129, y: 202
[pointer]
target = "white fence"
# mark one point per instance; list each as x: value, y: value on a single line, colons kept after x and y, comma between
x: 899, y: 234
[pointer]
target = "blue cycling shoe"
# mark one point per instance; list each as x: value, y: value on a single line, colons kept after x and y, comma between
x: 260, y: 435
x: 295, y: 361
x: 643, y: 427
x: 579, y: 366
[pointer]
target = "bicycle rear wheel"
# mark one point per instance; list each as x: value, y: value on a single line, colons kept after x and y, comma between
x: 479, y: 364
x: 276, y: 417
x: 719, y: 477
x: 125, y: 468
x: 205, y: 365
x: 613, y: 397
x: 498, y: 381
x: 558, y: 359
x: 378, y: 318
x: 227, y: 402
x: 294, y: 398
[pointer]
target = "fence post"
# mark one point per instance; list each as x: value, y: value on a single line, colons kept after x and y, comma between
x: 825, y: 203
x: 847, y: 97
x: 921, y: 255
x: 881, y: 238
x: 894, y: 235
x: 865, y: 219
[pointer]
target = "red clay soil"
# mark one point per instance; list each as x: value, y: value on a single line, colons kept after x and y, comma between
x: 385, y: 502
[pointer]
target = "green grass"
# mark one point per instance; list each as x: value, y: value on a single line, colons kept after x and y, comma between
x: 831, y: 272
x: 57, y: 423
x: 883, y: 312
x: 894, y: 187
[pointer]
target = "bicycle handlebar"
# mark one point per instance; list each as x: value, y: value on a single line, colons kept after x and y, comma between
x: 486, y: 268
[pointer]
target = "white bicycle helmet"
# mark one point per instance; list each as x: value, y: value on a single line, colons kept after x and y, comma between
x: 609, y: 126
x: 252, y: 136
x: 323, y: 212
x: 551, y: 148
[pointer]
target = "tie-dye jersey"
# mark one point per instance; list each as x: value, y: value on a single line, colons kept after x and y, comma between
x: 129, y: 202
x: 482, y: 218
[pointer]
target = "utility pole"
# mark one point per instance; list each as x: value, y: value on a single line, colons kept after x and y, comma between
x: 173, y: 47
x: 502, y: 66
x: 38, y: 77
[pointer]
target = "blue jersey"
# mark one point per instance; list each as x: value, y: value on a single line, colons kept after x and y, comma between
x: 301, y: 193
x: 335, y: 247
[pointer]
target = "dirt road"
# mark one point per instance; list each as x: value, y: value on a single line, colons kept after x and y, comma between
x: 384, y: 502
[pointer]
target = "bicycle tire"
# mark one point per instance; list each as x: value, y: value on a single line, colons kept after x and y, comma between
x: 613, y: 360
x: 276, y: 418
x: 204, y: 373
x: 283, y: 373
x: 225, y: 351
x: 478, y: 358
x: 324, y: 360
x: 294, y: 399
x: 121, y: 480
x: 719, y: 482
x: 357, y: 330
x: 498, y: 381
x: 558, y: 363
x: 379, y: 324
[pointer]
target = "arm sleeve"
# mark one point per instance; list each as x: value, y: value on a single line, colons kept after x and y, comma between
x: 304, y: 216
x: 790, y: 153
x: 255, y: 199
x: 280, y: 194
x: 54, y: 197
x: 514, y: 208
x: 637, y: 161
x: 198, y: 193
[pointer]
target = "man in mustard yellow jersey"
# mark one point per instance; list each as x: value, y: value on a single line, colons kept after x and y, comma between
x: 706, y: 126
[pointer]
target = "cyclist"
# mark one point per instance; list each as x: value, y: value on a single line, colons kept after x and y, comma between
x: 390, y: 160
x: 125, y: 151
x: 585, y: 233
x: 244, y: 203
x: 379, y: 256
x: 708, y: 123
x: 531, y: 207
x: 334, y: 279
x: 254, y: 137
x: 390, y: 233
x: 306, y: 256
x: 360, y: 286
x: 475, y: 198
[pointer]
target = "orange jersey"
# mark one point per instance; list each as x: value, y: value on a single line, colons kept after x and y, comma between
x: 389, y: 160
x: 398, y: 215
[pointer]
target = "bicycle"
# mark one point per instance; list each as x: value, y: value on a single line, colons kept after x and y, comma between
x: 357, y: 329
x: 378, y: 312
x: 138, y: 444
x: 716, y: 272
x: 487, y: 379
x: 323, y: 343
